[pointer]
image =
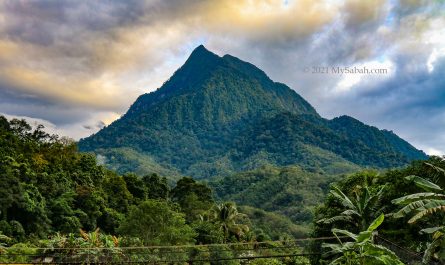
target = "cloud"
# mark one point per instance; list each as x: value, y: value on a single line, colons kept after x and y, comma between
x: 77, y: 63
x: 74, y: 130
x: 359, y: 12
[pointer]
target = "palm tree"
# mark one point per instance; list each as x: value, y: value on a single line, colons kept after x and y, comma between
x: 423, y: 204
x: 359, y: 210
x: 226, y: 215
x: 361, y: 250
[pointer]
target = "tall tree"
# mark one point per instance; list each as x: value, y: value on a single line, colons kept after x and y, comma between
x: 156, y: 223
x: 226, y: 216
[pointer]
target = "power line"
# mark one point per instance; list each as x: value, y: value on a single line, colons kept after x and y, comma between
x: 191, y: 246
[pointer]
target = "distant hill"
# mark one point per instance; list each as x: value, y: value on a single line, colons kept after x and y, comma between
x: 288, y: 191
x: 220, y: 115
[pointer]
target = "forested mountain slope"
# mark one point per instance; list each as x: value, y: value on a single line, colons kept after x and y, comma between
x: 220, y: 115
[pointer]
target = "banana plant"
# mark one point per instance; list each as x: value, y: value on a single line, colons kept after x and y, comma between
x: 423, y: 204
x: 361, y: 250
x: 436, y: 248
x: 359, y: 209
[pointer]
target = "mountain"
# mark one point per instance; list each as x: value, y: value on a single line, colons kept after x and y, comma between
x: 221, y: 115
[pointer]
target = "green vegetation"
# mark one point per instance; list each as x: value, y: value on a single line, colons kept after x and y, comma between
x: 362, y: 250
x: 360, y: 209
x: 287, y: 191
x: 53, y: 197
x: 413, y: 207
x: 56, y: 202
x: 217, y: 116
x: 424, y: 204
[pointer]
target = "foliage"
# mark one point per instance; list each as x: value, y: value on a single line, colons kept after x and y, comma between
x: 362, y: 249
x: 424, y: 204
x: 360, y: 210
x: 273, y: 226
x: 47, y: 187
x: 226, y: 217
x: 49, y: 191
x: 155, y: 223
x: 288, y: 191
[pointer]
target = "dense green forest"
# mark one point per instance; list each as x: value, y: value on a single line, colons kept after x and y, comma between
x: 52, y: 196
x: 217, y: 116
x: 287, y: 191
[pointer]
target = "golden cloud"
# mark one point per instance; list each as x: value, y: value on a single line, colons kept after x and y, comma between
x: 359, y: 11
x: 95, y: 63
x: 270, y: 20
x: 92, y: 92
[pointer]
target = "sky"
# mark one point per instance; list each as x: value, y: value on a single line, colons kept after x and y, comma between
x: 77, y: 65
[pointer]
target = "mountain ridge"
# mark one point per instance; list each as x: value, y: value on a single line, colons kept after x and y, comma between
x: 216, y: 115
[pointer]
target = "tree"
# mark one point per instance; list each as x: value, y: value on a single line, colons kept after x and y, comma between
x: 226, y: 216
x: 361, y: 250
x: 359, y: 210
x: 156, y: 223
x: 135, y: 186
x: 156, y: 187
x: 117, y: 193
x: 194, y: 198
x: 423, y: 204
x: 186, y: 186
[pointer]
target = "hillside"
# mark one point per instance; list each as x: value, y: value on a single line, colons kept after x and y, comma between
x: 288, y: 191
x: 220, y: 115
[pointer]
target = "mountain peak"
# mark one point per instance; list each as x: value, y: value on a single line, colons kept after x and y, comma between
x: 202, y: 51
x: 201, y: 48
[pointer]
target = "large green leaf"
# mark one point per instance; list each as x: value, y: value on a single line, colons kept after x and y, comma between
x: 376, y: 223
x: 438, y: 169
x: 337, y: 193
x: 386, y: 255
x: 335, y: 219
x: 338, y: 248
x: 344, y: 232
x: 364, y: 236
x: 429, y: 252
x: 431, y: 207
x: 412, y: 207
x: 350, y: 212
x: 418, y: 196
x: 432, y: 230
x: 423, y: 183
